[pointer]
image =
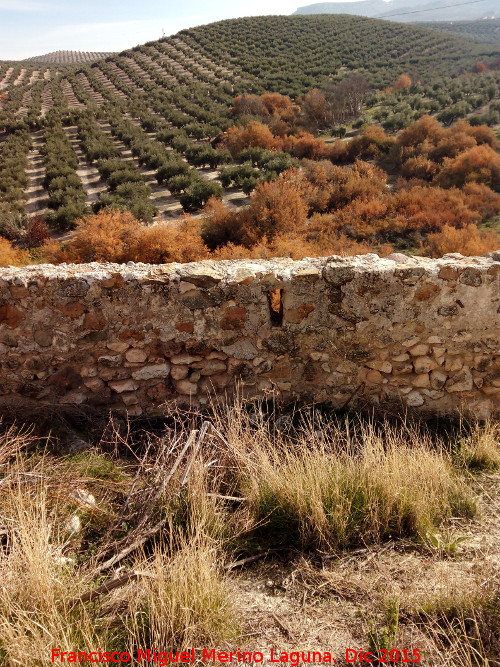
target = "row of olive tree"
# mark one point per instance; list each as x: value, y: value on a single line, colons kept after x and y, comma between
x: 13, y: 181
x: 67, y: 197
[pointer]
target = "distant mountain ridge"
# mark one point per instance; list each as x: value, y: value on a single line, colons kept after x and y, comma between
x: 400, y: 10
x: 485, y: 30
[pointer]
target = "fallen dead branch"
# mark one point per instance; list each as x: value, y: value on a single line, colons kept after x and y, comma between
x: 138, y: 536
x: 107, y: 587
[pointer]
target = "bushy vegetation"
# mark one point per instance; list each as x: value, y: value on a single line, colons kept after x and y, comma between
x: 69, y: 57
x: 13, y: 181
x: 339, y: 198
x: 486, y: 30
x: 102, y: 552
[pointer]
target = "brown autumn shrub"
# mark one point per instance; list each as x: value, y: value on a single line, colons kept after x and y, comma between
x: 481, y: 133
x: 316, y: 110
x: 480, y: 164
x: 425, y: 129
x: 371, y: 144
x: 334, y: 187
x: 222, y: 226
x: 11, y: 256
x: 53, y: 252
x: 481, y: 198
x: 169, y: 243
x: 234, y: 251
x: 484, y: 135
x: 283, y: 113
x: 296, y: 246
x: 410, y: 213
x: 463, y: 152
x: 107, y: 236
x: 248, y: 105
x: 338, y: 152
x: 281, y: 205
x: 362, y: 181
x: 274, y: 109
x: 402, y: 82
x: 430, y: 208
x: 37, y: 232
x: 452, y: 144
x: 420, y: 167
x: 468, y: 240
x: 480, y: 67
x: 305, y: 145
x: 254, y: 134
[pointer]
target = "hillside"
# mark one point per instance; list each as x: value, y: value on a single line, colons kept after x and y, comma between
x: 291, y: 54
x: 146, y: 130
x: 286, y: 54
x: 486, y: 30
x: 69, y: 57
x: 402, y: 10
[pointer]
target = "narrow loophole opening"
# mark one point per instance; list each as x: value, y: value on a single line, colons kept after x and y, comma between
x: 275, y: 301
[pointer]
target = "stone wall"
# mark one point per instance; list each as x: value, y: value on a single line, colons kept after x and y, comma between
x: 396, y: 332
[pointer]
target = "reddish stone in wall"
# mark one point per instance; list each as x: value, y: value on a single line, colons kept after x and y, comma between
x: 116, y: 280
x: 73, y: 309
x: 234, y: 318
x: 65, y: 380
x: 296, y: 315
x: 94, y: 321
x: 426, y: 291
x: 186, y: 327
x: 11, y: 316
x: 130, y: 334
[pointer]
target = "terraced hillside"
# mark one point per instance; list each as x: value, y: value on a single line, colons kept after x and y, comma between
x: 137, y: 130
x: 20, y: 75
x: 69, y: 57
x: 291, y: 54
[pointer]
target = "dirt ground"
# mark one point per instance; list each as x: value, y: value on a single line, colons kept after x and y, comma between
x: 329, y: 603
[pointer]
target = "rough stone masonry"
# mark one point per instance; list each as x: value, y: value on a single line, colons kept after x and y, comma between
x: 396, y: 333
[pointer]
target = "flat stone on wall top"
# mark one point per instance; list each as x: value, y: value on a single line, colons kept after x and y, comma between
x: 396, y: 333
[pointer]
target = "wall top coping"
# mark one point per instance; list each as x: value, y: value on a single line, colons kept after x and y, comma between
x: 209, y: 272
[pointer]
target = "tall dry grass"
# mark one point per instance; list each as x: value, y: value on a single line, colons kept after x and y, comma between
x: 332, y: 488
x: 462, y: 619
x: 179, y: 595
x: 251, y: 485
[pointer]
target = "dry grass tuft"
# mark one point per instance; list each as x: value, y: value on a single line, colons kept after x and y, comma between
x: 178, y: 507
x: 185, y: 602
x: 463, y: 621
x: 336, y: 492
x: 480, y: 449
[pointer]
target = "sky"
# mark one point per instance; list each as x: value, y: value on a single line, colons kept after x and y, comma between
x: 34, y: 27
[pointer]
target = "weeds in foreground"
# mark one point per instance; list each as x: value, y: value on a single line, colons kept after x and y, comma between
x: 384, y: 637
x: 463, y: 621
x: 444, y: 543
x: 480, y: 448
x: 340, y: 492
x: 176, y: 514
x: 184, y: 599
